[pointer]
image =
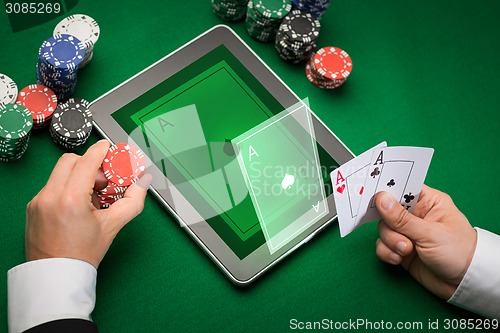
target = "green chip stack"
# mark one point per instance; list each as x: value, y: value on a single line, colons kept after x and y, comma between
x: 264, y: 18
x: 16, y: 123
x: 230, y: 10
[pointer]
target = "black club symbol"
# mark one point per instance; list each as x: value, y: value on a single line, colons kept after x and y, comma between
x: 409, y: 197
x: 375, y: 172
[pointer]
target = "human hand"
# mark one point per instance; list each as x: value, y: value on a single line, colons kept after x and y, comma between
x: 435, y: 244
x: 62, y: 220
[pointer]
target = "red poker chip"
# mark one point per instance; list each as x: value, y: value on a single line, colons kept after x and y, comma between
x: 112, y: 189
x: 319, y: 81
x: 123, y: 164
x: 40, y: 101
x: 333, y: 63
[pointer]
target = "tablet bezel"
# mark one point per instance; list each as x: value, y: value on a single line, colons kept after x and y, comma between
x: 243, y: 271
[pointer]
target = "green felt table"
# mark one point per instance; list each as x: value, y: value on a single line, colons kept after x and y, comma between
x: 425, y: 73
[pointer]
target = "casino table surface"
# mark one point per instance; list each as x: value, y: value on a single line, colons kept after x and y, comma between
x: 425, y: 73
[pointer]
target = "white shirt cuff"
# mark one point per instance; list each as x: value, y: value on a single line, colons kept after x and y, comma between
x: 50, y: 289
x: 479, y: 290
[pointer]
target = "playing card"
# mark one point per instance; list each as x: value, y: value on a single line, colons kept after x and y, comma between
x: 348, y: 186
x: 400, y: 171
x: 279, y: 160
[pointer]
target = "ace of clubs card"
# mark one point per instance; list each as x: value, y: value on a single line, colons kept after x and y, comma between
x: 400, y: 171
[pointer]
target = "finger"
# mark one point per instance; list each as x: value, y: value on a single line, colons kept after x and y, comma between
x: 397, y: 242
x: 426, y: 201
x: 85, y: 171
x: 62, y: 171
x: 100, y: 181
x: 399, y: 219
x: 386, y: 254
x: 132, y: 204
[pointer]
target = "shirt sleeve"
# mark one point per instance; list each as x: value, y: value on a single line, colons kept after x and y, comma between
x: 50, y: 289
x: 479, y: 290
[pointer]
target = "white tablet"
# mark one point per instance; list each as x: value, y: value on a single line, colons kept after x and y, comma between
x: 236, y: 157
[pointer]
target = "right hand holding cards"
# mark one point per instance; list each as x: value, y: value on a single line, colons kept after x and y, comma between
x: 400, y: 171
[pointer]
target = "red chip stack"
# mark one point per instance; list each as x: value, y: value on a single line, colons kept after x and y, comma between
x: 40, y: 101
x: 122, y: 166
x: 329, y: 68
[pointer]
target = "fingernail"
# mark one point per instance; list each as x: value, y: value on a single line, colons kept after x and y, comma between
x: 386, y: 202
x: 103, y: 140
x: 401, y: 247
x: 145, y: 181
x: 394, y: 258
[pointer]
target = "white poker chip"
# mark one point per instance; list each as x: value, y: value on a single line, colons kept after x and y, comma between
x: 8, y: 90
x: 83, y: 27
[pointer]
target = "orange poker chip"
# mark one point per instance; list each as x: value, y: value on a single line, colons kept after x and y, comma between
x: 333, y: 63
x: 39, y: 100
x: 123, y: 164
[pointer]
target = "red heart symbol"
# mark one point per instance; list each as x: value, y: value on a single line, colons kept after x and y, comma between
x: 341, y: 189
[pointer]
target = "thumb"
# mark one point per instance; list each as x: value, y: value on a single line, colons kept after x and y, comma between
x: 124, y: 210
x: 399, y: 219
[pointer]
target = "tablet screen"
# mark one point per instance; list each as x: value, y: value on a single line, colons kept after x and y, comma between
x: 186, y: 125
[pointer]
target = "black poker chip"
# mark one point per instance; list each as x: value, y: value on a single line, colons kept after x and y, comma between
x: 71, y: 123
x: 296, y: 37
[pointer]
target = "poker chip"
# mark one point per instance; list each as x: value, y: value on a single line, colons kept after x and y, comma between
x: 229, y: 10
x: 296, y: 37
x: 15, y: 129
x: 110, y: 194
x: 8, y: 90
x: 329, y: 68
x: 316, y: 8
x: 58, y: 61
x: 264, y: 18
x: 123, y: 164
x: 83, y: 27
x: 71, y: 123
x: 40, y: 101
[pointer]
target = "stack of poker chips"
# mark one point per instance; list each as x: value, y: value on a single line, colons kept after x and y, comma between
x: 83, y: 27
x: 296, y: 37
x: 110, y: 194
x: 264, y: 18
x: 40, y: 101
x: 58, y: 61
x: 15, y: 128
x: 329, y: 68
x: 123, y: 164
x: 230, y: 10
x: 71, y: 123
x: 315, y: 7
x: 8, y: 90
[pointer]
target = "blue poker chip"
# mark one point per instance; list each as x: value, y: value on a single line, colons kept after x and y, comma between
x: 58, y: 60
x: 64, y: 52
x: 316, y: 8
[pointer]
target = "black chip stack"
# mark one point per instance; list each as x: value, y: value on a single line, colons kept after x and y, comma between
x: 71, y: 123
x: 296, y: 37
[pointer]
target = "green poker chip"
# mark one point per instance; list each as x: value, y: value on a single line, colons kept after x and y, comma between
x: 16, y: 123
x: 272, y: 9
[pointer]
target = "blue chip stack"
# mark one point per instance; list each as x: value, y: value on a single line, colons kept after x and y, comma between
x: 58, y: 61
x: 315, y: 7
